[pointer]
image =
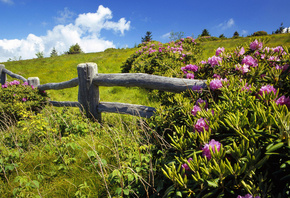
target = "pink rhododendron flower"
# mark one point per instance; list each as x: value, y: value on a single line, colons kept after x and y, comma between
x: 4, y: 86
x: 216, y: 76
x: 202, y: 102
x: 25, y: 83
x: 203, y: 62
x: 215, y: 84
x: 215, y: 60
x: 249, y: 60
x: 195, y: 109
x: 197, y: 88
x: 267, y: 89
x: 24, y: 99
x: 255, y: 45
x: 279, y: 50
x: 200, y: 125
x: 248, y: 196
x: 246, y: 87
x: 191, y: 67
x: 211, y: 145
x: 185, y: 166
x: 242, y: 51
x: 190, y: 76
x: 243, y: 68
x: 283, y: 101
x: 219, y: 51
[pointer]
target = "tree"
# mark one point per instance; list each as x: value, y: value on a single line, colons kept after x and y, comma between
x: 222, y: 36
x: 75, y: 49
x: 205, y: 33
x: 39, y: 55
x: 147, y: 38
x: 236, y: 34
x: 53, y: 53
x: 176, y: 35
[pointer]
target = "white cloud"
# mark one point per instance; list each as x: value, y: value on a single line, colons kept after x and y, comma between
x: 166, y: 36
x: 85, y: 31
x: 65, y: 16
x: 7, y: 1
x: 286, y: 30
x: 226, y: 24
x: 244, y: 32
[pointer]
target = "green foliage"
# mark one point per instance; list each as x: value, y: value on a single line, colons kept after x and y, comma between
x: 260, y: 33
x: 75, y: 49
x: 176, y: 36
x: 39, y: 55
x: 236, y: 34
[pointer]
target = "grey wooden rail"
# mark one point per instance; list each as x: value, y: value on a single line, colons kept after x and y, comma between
x: 89, y: 81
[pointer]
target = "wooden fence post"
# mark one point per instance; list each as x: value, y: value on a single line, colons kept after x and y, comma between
x: 3, y: 75
x: 88, y: 95
x: 33, y: 81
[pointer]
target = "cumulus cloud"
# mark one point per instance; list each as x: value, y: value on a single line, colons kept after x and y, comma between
x: 227, y: 24
x: 85, y: 31
x: 65, y: 16
x: 7, y: 1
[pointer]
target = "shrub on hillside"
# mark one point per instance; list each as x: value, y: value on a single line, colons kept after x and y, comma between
x: 260, y: 33
x: 16, y: 97
x: 234, y: 139
x: 75, y: 49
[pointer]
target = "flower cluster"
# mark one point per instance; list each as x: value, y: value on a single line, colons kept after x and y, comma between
x: 210, y: 146
x: 256, y: 45
x: 248, y: 196
x: 201, y: 124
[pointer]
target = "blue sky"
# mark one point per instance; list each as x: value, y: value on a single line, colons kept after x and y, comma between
x: 31, y: 26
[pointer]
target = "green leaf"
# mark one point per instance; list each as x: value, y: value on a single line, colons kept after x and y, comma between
x: 126, y: 191
x: 274, y: 147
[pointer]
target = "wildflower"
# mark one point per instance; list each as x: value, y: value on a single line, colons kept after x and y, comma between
x: 4, y: 86
x: 25, y: 83
x: 279, y: 50
x: 219, y: 51
x: 283, y: 101
x: 249, y: 60
x: 203, y: 62
x: 190, y: 76
x: 267, y: 89
x: 215, y: 60
x: 216, y: 76
x: 202, y: 102
x: 243, y: 68
x: 242, y: 51
x: 255, y: 45
x: 215, y: 84
x: 185, y: 166
x: 195, y: 109
x: 197, y: 88
x: 200, y: 125
x: 191, y: 67
x: 24, y: 99
x: 248, y: 196
x: 211, y: 145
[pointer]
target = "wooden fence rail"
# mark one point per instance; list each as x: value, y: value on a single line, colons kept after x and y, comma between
x: 89, y: 81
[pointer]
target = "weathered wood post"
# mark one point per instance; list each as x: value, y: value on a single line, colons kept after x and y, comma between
x: 88, y: 95
x: 3, y: 75
x: 33, y: 81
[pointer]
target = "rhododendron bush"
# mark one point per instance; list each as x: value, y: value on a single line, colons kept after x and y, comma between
x: 235, y: 140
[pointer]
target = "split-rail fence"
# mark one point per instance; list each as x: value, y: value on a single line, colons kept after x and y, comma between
x: 89, y: 81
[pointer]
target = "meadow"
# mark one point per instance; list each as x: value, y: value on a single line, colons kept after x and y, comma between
x: 58, y: 152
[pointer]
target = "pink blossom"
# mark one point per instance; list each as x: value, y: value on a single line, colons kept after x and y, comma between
x: 195, y: 109
x: 249, y: 60
x: 185, y: 166
x: 25, y: 83
x: 211, y: 145
x: 248, y: 196
x: 197, y: 88
x: 219, y: 51
x: 246, y: 87
x: 267, y: 89
x: 255, y: 45
x: 4, y: 86
x: 191, y: 67
x: 243, y: 68
x: 283, y: 101
x: 215, y: 60
x: 216, y: 76
x: 200, y: 125
x: 24, y: 99
x: 242, y: 51
x: 201, y: 101
x: 203, y: 62
x: 278, y: 49
x: 190, y: 76
x: 215, y: 84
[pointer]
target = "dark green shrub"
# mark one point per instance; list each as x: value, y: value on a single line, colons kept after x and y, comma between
x: 75, y: 49
x: 260, y: 33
